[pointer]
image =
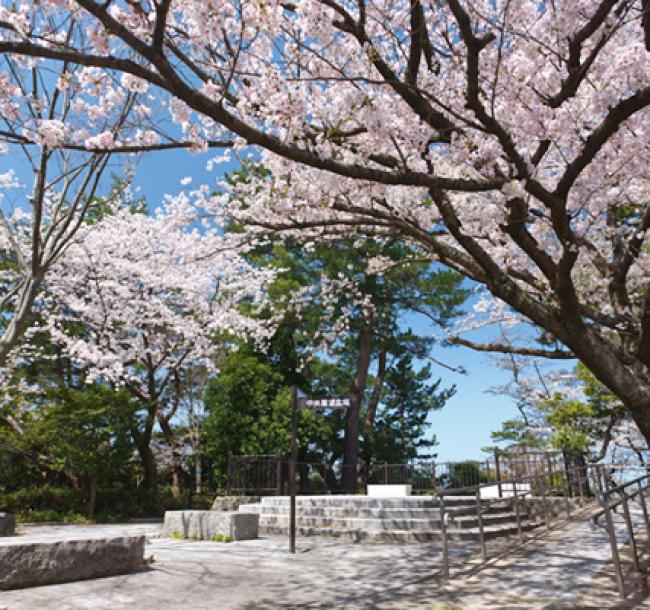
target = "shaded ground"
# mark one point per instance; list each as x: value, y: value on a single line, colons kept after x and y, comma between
x: 566, y: 568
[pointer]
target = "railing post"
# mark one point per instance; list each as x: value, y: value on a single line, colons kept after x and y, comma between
x: 445, y: 542
x: 517, y: 511
x: 567, y: 503
x: 545, y: 503
x: 481, y: 533
x: 229, y: 484
x: 612, y: 543
x: 498, y: 471
x: 630, y: 531
x: 385, y: 473
x: 644, y: 508
x: 581, y: 480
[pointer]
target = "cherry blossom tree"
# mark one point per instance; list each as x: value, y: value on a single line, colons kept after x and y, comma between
x: 140, y: 301
x: 507, y: 139
x: 47, y: 193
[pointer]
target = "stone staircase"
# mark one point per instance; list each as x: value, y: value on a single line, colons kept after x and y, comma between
x: 405, y: 519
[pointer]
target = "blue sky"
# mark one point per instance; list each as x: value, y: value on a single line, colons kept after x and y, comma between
x: 464, y: 425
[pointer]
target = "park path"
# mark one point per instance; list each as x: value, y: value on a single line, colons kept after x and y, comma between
x: 565, y: 568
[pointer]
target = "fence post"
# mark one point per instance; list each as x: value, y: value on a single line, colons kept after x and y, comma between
x: 517, y: 512
x: 481, y: 533
x: 630, y: 531
x: 229, y: 474
x: 385, y: 473
x: 644, y: 508
x: 580, y: 484
x: 567, y: 503
x: 545, y: 503
x: 498, y: 471
x: 612, y: 543
x: 445, y: 542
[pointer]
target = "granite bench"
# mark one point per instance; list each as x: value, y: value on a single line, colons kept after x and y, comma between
x: 29, y: 561
x: 206, y: 524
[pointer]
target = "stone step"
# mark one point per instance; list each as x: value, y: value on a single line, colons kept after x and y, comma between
x: 468, y: 521
x: 396, y: 536
x: 371, y: 502
x: 375, y: 513
x: 391, y: 523
x: 354, y: 523
x: 352, y: 501
x: 342, y: 511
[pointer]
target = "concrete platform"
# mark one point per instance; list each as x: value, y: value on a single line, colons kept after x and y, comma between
x: 28, y: 561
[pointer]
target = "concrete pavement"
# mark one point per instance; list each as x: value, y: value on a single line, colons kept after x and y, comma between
x: 567, y: 568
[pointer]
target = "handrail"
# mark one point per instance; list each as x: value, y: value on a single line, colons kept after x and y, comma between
x: 613, y: 505
x: 604, y: 498
x: 460, y: 490
x: 564, y: 478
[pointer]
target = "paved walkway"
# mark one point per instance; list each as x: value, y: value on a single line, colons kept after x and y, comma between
x: 563, y: 569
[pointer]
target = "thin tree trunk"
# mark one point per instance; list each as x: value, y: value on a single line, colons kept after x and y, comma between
x: 177, y: 471
x: 351, y: 441
x: 16, y: 326
x: 198, y: 482
x: 371, y: 413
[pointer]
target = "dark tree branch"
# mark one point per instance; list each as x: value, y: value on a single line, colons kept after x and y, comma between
x: 556, y: 354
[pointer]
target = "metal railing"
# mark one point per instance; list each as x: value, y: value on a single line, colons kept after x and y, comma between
x: 268, y: 474
x: 563, y: 485
x: 611, y: 498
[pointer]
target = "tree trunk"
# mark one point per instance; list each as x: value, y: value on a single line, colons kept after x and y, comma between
x: 148, y: 465
x: 371, y: 413
x: 198, y: 473
x: 177, y: 471
x: 351, y: 441
x: 16, y: 326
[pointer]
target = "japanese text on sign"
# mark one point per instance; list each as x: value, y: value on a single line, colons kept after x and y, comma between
x: 334, y: 402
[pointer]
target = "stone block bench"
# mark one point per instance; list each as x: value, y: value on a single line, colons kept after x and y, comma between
x: 29, y: 561
x: 205, y: 524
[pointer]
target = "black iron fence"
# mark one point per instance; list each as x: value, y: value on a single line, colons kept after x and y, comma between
x: 269, y: 474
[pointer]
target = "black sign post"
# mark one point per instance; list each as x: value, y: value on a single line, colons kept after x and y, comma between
x: 304, y: 402
x: 292, y: 469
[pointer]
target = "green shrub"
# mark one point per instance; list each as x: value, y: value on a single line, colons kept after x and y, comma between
x: 41, y: 516
x: 221, y: 538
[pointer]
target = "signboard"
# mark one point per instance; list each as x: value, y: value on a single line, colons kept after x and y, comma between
x: 324, y: 402
x: 305, y: 402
